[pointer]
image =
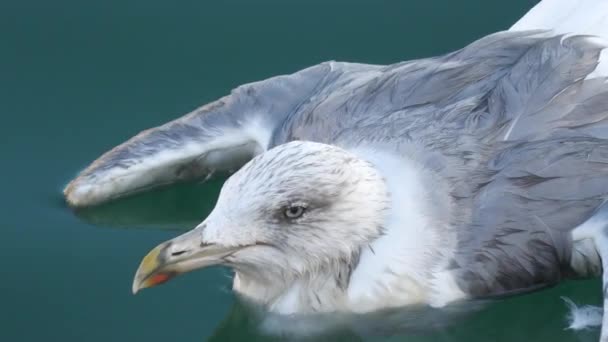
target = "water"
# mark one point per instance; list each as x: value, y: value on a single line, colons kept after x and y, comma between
x: 77, y: 78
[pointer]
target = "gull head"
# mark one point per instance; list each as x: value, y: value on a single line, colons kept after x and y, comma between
x: 291, y: 211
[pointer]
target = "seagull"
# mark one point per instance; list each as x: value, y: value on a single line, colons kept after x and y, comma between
x: 481, y: 173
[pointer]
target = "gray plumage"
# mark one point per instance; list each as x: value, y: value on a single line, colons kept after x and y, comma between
x: 510, y: 122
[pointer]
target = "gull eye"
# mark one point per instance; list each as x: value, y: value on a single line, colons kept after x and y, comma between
x: 294, y: 212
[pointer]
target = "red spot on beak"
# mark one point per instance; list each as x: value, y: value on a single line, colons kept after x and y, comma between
x: 160, y: 278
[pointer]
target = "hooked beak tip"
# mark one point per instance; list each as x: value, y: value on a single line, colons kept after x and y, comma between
x: 138, y: 282
x: 135, y: 288
x: 146, y: 274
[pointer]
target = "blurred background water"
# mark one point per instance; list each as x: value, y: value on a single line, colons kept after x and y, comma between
x: 78, y: 77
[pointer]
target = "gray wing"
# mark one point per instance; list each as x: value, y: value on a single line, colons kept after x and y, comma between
x: 537, y: 168
x: 514, y: 227
x: 221, y: 135
x: 520, y: 82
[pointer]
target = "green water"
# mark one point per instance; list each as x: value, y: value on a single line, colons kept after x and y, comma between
x: 78, y: 77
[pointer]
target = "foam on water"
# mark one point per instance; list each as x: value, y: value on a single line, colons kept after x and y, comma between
x: 584, y: 316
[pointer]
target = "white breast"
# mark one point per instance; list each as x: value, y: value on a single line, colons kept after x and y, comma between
x: 407, y: 265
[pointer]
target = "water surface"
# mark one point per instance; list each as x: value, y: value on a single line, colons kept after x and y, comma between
x: 77, y: 78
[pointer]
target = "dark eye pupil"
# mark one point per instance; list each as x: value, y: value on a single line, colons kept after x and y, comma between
x: 294, y: 212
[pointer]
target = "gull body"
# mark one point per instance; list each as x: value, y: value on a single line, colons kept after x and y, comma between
x: 478, y: 174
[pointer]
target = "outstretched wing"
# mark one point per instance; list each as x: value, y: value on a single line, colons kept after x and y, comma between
x: 221, y: 135
x: 487, y: 83
x: 525, y: 82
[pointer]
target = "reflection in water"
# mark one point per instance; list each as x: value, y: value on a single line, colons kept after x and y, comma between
x: 179, y: 207
x: 248, y: 322
x: 467, y: 321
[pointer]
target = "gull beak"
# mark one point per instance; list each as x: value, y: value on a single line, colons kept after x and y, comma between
x: 182, y: 254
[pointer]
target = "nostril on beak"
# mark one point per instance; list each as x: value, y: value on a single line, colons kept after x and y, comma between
x: 178, y: 253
